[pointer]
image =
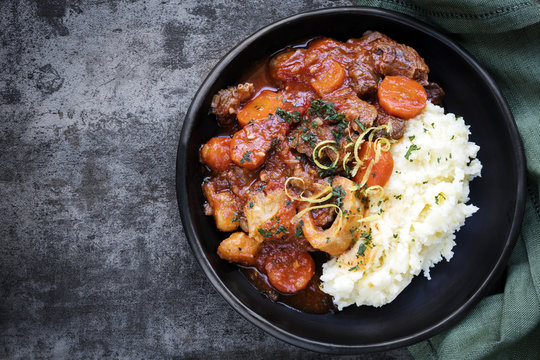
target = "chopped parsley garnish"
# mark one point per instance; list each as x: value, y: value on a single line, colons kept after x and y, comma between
x: 340, y: 131
x: 299, y: 231
x: 264, y: 232
x: 411, y: 137
x: 361, y: 249
x: 251, y: 204
x: 275, y: 143
x: 412, y: 148
x: 326, y: 110
x: 281, y: 230
x: 306, y: 137
x: 327, y: 172
x: 289, y: 117
x: 361, y: 125
x: 236, y: 218
x: 339, y: 193
x: 398, y: 197
x: 246, y: 157
x: 439, y: 196
x: 367, y: 235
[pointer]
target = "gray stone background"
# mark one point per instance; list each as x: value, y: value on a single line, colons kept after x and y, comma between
x: 93, y: 259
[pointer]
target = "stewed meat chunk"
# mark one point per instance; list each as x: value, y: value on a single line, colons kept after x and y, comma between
x: 392, y: 58
x: 434, y: 93
x: 226, y: 102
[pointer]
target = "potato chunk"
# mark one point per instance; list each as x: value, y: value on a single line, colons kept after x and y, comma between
x: 224, y: 205
x: 239, y: 248
x: 268, y: 215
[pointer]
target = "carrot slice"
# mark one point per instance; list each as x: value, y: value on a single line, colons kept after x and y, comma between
x: 258, y: 108
x: 401, y: 96
x: 249, y: 147
x: 289, y: 270
x: 216, y: 153
x: 330, y: 76
x: 381, y: 170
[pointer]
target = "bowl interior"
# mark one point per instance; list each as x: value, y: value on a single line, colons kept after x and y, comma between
x: 483, y: 244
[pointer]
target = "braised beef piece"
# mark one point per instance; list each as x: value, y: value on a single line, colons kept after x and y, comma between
x: 376, y: 56
x: 226, y: 103
x: 434, y: 93
x: 392, y: 58
x: 397, y: 127
x: 363, y: 78
x: 306, y: 136
x: 348, y: 103
x: 236, y: 179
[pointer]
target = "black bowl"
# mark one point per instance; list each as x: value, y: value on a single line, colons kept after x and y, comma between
x: 425, y: 307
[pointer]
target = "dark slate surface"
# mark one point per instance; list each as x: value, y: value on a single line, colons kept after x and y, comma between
x: 93, y: 260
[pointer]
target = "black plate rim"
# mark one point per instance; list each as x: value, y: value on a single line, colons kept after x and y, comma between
x: 253, y: 317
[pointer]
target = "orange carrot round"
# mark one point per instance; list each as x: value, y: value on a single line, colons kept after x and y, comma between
x: 216, y: 153
x: 288, y: 270
x: 329, y: 77
x: 401, y: 96
x: 258, y: 108
x: 381, y: 170
x: 249, y: 147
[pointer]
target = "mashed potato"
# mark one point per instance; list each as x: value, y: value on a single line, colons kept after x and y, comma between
x: 423, y: 205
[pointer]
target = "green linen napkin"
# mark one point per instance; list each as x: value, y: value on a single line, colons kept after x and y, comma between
x: 504, y: 36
